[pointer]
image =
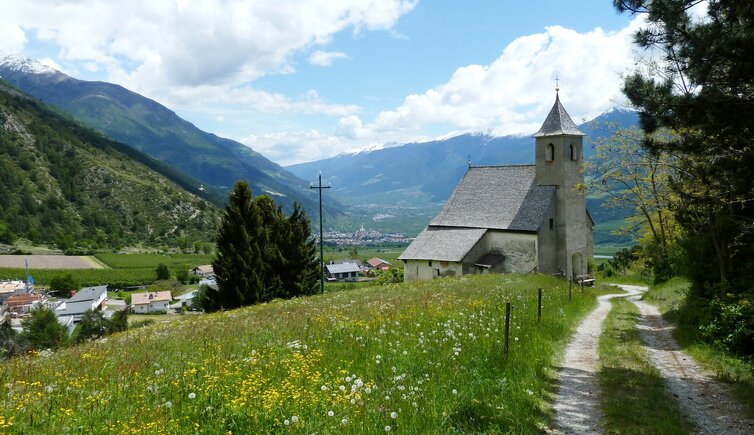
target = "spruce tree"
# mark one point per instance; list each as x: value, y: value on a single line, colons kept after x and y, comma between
x: 271, y: 233
x: 238, y: 260
x: 300, y: 252
x: 261, y: 253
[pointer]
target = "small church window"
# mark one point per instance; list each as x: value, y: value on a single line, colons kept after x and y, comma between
x: 552, y: 223
x: 574, y: 153
x: 550, y: 152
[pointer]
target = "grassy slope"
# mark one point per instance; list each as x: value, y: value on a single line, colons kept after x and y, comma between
x: 430, y: 352
x: 635, y: 399
x: 669, y: 298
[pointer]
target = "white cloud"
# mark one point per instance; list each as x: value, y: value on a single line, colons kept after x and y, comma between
x: 294, y: 147
x: 513, y: 94
x: 325, y: 58
x: 248, y: 98
x: 12, y: 38
x: 156, y: 46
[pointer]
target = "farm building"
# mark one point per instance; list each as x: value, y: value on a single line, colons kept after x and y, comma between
x: 205, y: 271
x: 150, y: 302
x: 342, y: 272
x: 378, y: 263
x: 518, y: 218
x: 88, y: 298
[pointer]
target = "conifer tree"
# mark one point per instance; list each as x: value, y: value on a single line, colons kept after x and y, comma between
x: 300, y: 252
x: 261, y: 253
x: 238, y: 261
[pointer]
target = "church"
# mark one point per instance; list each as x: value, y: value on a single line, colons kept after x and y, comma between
x: 516, y: 218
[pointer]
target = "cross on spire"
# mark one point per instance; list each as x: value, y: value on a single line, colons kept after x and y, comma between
x: 557, y: 86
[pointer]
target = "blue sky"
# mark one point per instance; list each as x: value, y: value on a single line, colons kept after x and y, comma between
x: 303, y: 80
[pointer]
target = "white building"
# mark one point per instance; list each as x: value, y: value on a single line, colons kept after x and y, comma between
x: 515, y: 218
x: 88, y: 298
x: 342, y: 272
x: 205, y: 271
x: 150, y: 302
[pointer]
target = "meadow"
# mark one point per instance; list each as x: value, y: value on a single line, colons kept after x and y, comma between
x: 124, y: 270
x: 409, y: 358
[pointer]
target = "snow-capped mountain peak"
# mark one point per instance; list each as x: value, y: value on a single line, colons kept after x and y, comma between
x: 24, y: 64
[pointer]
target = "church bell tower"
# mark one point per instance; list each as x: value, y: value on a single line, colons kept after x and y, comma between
x: 559, y: 163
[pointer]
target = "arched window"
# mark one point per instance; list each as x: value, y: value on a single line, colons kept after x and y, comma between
x: 574, y: 153
x: 550, y: 152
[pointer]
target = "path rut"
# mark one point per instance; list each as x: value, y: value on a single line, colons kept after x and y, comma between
x: 577, y: 402
x: 708, y: 403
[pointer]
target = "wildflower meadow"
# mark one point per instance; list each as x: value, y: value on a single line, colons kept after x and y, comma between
x: 408, y: 358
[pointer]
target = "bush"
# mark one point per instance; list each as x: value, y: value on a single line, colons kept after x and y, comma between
x: 729, y: 324
x: 64, y: 284
x: 162, y: 272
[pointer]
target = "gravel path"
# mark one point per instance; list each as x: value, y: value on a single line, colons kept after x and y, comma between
x: 707, y: 402
x: 577, y: 402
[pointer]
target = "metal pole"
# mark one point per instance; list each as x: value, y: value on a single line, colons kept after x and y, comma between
x: 507, y: 326
x: 539, y: 306
x: 321, y: 239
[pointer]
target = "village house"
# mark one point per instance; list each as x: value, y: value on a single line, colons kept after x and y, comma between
x: 150, y: 302
x: 378, y: 263
x: 342, y: 272
x: 516, y: 218
x: 88, y: 298
x: 205, y: 271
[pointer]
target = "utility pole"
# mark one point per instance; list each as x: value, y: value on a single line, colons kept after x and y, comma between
x: 319, y: 187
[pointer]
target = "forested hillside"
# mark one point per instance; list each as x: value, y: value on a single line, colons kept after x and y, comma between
x: 67, y: 185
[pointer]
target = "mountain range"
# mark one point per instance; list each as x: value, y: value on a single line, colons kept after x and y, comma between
x: 65, y: 184
x: 401, y: 188
x: 396, y: 188
x: 127, y: 117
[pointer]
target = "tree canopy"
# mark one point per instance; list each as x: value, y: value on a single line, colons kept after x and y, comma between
x: 261, y: 254
x: 702, y: 89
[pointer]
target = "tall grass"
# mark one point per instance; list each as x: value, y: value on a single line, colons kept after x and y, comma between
x: 410, y: 358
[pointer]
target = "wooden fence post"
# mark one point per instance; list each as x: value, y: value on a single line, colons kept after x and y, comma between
x: 507, y: 326
x: 539, y: 306
x: 570, y: 284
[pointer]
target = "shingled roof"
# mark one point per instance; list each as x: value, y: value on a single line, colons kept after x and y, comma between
x: 442, y: 244
x: 497, y: 197
x: 558, y: 122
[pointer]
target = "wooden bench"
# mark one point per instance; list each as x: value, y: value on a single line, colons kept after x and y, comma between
x: 586, y: 280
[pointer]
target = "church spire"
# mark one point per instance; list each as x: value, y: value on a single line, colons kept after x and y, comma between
x: 558, y: 122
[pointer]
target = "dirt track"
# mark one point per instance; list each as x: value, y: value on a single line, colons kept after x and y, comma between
x: 708, y: 404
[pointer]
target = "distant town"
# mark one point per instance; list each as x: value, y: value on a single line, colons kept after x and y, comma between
x: 363, y: 237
